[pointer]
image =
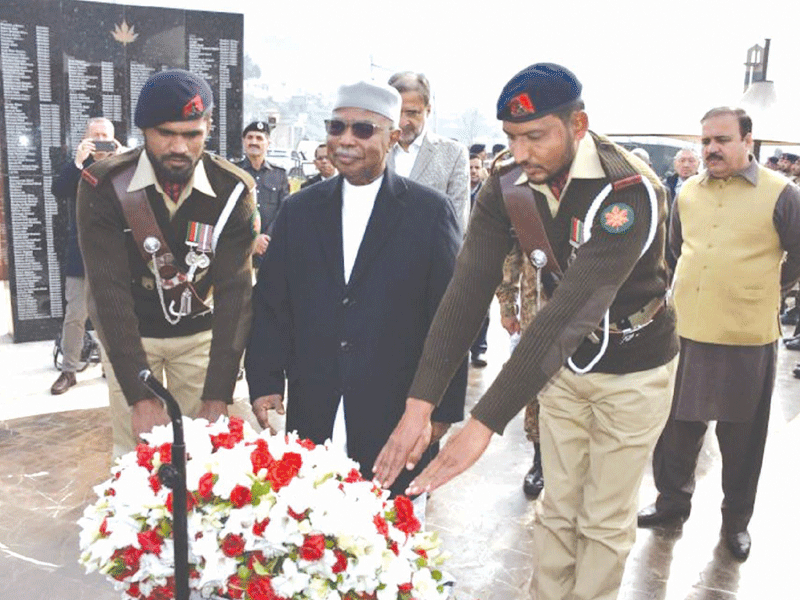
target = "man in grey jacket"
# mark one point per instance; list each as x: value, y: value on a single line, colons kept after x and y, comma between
x: 423, y: 156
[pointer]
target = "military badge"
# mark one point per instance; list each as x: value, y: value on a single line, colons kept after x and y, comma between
x: 193, y: 109
x: 617, y: 218
x: 198, y: 238
x: 521, y: 105
x: 576, y: 233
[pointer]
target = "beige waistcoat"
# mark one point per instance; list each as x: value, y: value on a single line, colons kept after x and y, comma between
x: 727, y: 281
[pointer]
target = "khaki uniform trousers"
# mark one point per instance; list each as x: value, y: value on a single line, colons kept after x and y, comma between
x: 597, y: 433
x: 179, y: 363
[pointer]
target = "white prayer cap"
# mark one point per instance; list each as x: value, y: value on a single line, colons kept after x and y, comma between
x: 369, y: 95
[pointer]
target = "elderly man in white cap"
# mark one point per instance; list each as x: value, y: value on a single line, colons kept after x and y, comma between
x: 351, y: 280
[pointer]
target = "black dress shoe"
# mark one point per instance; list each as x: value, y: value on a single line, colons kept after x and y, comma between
x: 652, y: 516
x: 738, y: 542
x: 65, y: 381
x: 533, y: 484
x: 792, y: 343
x: 796, y: 371
x: 479, y: 360
x: 789, y: 317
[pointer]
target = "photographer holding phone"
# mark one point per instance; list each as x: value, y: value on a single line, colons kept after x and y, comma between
x: 98, y: 143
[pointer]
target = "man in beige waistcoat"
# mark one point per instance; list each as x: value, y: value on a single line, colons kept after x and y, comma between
x: 730, y: 228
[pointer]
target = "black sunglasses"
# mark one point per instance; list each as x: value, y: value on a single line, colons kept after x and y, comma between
x: 363, y: 130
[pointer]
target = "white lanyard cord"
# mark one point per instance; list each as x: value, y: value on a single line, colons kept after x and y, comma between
x: 651, y: 234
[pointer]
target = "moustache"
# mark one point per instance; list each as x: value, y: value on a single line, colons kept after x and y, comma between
x: 714, y: 157
x: 346, y: 154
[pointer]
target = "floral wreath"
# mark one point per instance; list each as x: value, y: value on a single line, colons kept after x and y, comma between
x: 269, y: 518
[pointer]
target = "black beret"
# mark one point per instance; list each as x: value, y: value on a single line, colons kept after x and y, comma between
x: 477, y: 148
x: 789, y: 156
x: 174, y: 95
x: 537, y: 91
x: 261, y: 126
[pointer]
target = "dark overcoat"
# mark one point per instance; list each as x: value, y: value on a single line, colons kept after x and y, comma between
x: 360, y: 340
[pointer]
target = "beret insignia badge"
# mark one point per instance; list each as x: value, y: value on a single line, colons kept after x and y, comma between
x: 193, y: 109
x: 521, y: 105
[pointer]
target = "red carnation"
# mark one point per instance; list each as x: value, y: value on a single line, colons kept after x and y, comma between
x: 235, y: 587
x: 260, y: 588
x: 307, y: 444
x: 405, y: 520
x: 165, y: 452
x: 405, y: 587
x: 133, y: 590
x: 341, y: 561
x: 150, y: 541
x: 395, y: 548
x: 240, y: 496
x: 282, y: 471
x: 236, y: 427
x: 232, y: 545
x: 259, y: 527
x: 421, y: 552
x: 155, y: 482
x: 104, y: 527
x: 205, y: 485
x: 131, y: 556
x: 144, y: 456
x: 380, y: 525
x: 295, y: 515
x: 313, y: 547
x: 353, y: 476
x: 223, y: 440
x: 260, y: 457
x: 164, y: 592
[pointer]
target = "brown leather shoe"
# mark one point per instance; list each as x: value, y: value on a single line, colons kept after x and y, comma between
x: 65, y: 381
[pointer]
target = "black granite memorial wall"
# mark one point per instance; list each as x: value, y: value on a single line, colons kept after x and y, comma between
x: 62, y: 63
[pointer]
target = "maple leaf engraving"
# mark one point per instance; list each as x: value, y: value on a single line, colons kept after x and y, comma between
x: 124, y: 33
x: 616, y: 217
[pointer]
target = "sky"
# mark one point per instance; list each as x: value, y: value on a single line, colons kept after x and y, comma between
x: 643, y: 69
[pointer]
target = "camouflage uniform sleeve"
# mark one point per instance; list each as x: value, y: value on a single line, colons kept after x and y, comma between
x: 508, y: 291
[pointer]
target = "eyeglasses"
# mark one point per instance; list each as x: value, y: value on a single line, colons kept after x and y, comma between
x: 363, y: 130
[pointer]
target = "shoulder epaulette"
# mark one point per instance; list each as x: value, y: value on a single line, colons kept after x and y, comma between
x: 274, y: 166
x: 98, y: 171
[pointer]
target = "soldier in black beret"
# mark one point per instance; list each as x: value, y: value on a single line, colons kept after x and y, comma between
x: 600, y: 354
x: 272, y: 184
x: 166, y: 232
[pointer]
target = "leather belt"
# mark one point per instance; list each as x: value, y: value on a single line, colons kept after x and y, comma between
x: 632, y: 323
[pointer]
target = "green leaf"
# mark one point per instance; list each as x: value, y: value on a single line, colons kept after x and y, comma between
x: 260, y: 569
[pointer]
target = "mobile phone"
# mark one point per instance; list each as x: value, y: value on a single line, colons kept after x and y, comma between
x: 104, y: 146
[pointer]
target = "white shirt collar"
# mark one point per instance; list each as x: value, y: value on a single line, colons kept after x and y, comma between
x: 585, y: 165
x: 357, y: 204
x: 404, y: 159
